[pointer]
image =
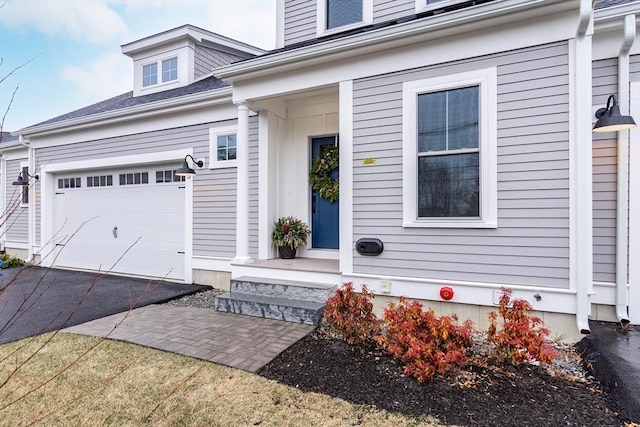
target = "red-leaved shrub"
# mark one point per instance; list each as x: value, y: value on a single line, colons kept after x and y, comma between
x: 427, y: 344
x: 350, y: 313
x: 522, y: 337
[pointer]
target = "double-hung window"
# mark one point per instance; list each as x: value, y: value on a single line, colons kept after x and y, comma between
x: 449, y: 151
x: 340, y: 15
x: 150, y: 75
x: 169, y: 70
x: 222, y: 147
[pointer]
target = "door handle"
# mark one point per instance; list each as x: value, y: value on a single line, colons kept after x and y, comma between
x: 313, y: 204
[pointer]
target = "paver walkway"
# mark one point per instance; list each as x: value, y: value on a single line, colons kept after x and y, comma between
x: 243, y: 342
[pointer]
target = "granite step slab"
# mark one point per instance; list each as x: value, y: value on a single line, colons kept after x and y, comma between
x: 318, y: 292
x: 271, y: 307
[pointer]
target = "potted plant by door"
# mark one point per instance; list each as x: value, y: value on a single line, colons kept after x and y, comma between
x: 289, y: 233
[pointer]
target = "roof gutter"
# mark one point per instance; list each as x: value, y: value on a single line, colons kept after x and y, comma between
x: 622, y: 207
x: 185, y: 103
x: 371, y: 41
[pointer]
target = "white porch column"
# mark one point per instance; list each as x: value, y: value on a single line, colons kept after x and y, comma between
x: 242, y: 203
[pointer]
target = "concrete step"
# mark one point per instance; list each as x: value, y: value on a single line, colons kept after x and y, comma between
x: 271, y: 307
x: 288, y: 289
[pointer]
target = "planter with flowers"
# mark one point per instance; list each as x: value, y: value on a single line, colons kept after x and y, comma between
x: 289, y: 233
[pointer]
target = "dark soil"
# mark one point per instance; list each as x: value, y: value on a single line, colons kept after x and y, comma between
x: 485, y: 393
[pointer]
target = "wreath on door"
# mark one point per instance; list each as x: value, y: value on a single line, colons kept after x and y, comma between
x: 320, y: 175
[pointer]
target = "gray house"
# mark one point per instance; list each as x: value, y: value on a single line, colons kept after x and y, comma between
x: 466, y: 157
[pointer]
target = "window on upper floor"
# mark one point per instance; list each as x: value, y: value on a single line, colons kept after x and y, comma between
x: 425, y: 5
x: 449, y: 151
x: 340, y: 15
x: 169, y: 68
x: 149, y: 75
x: 222, y: 147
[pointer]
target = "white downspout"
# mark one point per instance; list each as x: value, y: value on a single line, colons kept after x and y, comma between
x: 581, y: 228
x: 32, y: 198
x: 622, y: 207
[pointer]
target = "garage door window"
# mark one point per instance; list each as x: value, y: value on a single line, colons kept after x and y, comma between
x: 69, y: 183
x: 134, y: 178
x: 100, y: 181
x: 168, y: 176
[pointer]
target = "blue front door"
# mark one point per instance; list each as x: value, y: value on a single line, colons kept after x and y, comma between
x: 324, y: 215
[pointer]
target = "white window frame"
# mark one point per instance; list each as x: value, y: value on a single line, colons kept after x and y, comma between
x: 214, y: 133
x: 486, y: 79
x: 423, y: 6
x: 159, y: 73
x: 25, y: 188
x: 321, y: 24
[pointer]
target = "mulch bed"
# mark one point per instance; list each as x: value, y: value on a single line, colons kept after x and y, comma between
x: 483, y: 394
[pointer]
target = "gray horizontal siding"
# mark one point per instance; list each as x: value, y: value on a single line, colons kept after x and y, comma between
x: 604, y: 151
x: 634, y: 65
x: 214, y: 194
x: 531, y: 245
x: 206, y: 59
x: 299, y: 21
x: 16, y: 217
x: 387, y: 10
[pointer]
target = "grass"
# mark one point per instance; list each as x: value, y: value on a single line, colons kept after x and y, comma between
x: 42, y: 382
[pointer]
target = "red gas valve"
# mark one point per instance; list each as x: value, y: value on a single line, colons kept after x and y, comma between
x: 446, y: 293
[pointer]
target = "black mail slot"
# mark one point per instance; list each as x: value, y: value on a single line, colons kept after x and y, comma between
x: 369, y: 247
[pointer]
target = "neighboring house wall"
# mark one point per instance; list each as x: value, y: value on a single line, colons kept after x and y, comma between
x: 214, y: 190
x: 605, y: 83
x: 206, y: 59
x: 531, y: 244
x: 17, y: 221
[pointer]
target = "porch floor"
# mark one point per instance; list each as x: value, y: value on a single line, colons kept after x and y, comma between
x: 299, y: 264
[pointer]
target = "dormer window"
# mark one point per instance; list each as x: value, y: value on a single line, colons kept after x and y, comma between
x: 341, y: 15
x: 169, y: 72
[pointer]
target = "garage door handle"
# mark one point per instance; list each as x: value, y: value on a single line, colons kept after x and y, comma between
x: 181, y: 252
x: 115, y: 232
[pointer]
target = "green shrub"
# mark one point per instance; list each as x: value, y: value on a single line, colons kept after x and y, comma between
x: 9, y: 261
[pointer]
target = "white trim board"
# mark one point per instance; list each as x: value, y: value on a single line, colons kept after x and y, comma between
x: 634, y: 209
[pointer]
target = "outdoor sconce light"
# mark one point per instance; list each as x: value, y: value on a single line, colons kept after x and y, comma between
x: 185, y: 170
x: 22, y: 181
x: 610, y: 119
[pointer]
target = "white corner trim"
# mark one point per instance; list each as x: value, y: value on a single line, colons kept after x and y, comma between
x: 279, y: 24
x: 487, y: 80
x: 346, y: 175
x: 634, y: 209
x: 214, y: 133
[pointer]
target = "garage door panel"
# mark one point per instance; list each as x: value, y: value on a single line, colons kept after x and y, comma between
x: 150, y: 235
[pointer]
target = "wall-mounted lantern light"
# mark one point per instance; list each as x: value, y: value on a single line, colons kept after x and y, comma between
x: 185, y: 170
x: 24, y: 180
x: 610, y: 119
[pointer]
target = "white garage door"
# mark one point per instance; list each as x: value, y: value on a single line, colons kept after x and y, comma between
x: 123, y: 221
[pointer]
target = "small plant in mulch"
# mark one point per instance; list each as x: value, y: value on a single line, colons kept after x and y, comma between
x: 521, y: 338
x: 427, y: 344
x: 350, y: 314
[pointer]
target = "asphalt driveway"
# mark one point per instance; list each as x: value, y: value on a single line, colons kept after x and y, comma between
x: 34, y: 300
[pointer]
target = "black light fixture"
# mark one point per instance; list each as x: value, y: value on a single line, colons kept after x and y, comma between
x: 610, y: 119
x: 185, y: 170
x: 22, y: 181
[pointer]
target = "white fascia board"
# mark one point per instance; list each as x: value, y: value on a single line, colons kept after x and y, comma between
x: 421, y: 30
x: 11, y: 146
x: 165, y: 106
x: 187, y: 32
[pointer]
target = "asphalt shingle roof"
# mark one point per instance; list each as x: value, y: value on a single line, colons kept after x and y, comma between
x: 127, y: 100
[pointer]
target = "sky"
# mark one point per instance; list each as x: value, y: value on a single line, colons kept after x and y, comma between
x: 69, y: 50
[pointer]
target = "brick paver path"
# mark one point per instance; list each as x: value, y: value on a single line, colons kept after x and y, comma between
x: 234, y: 340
